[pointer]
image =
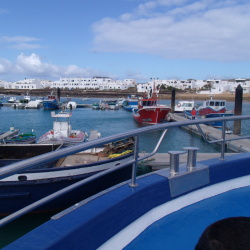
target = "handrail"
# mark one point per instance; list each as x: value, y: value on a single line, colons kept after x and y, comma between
x: 35, y: 161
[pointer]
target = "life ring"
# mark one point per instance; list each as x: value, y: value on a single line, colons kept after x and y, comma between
x: 178, y: 105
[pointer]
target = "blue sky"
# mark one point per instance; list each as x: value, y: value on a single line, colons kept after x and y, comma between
x: 137, y: 39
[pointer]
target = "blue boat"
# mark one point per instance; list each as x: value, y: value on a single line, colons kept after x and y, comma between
x: 130, y: 103
x: 51, y: 102
x: 165, y: 209
x: 218, y: 124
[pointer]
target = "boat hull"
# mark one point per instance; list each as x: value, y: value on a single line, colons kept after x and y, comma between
x: 130, y: 104
x: 151, y: 115
x: 153, y: 213
x: 25, y: 188
x: 66, y: 141
x: 50, y: 105
x: 219, y: 123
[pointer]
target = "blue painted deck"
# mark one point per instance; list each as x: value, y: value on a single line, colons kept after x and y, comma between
x: 185, y: 204
x: 182, y: 229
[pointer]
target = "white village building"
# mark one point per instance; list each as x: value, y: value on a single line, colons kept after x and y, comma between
x: 26, y: 84
x: 95, y: 83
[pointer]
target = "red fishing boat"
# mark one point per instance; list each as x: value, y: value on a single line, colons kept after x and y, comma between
x: 149, y: 111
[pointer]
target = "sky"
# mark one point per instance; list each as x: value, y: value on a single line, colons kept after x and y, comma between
x: 138, y: 39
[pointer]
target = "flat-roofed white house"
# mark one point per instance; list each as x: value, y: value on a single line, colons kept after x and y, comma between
x: 95, y: 83
x: 26, y: 84
x: 118, y: 84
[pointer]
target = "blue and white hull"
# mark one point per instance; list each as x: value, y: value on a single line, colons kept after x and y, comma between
x: 161, y: 211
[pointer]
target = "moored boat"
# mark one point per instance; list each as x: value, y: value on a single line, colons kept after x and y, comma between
x: 130, y: 103
x: 22, y: 138
x: 22, y: 189
x: 25, y: 99
x: 184, y: 105
x: 51, y: 102
x: 211, y: 109
x: 13, y: 99
x: 96, y: 106
x: 35, y: 104
x: 62, y: 131
x: 149, y: 111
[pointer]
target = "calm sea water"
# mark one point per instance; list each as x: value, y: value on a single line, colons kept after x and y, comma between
x: 107, y: 122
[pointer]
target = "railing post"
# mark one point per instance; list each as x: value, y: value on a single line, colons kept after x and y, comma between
x: 136, y: 154
x: 191, y: 159
x: 222, y: 157
x: 174, y: 161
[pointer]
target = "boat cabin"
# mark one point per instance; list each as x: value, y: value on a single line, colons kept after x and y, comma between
x: 62, y: 123
x: 51, y: 97
x: 146, y: 102
x: 216, y: 103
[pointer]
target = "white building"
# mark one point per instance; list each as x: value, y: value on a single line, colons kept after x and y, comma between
x: 100, y: 83
x: 118, y: 84
x: 178, y: 84
x: 26, y: 84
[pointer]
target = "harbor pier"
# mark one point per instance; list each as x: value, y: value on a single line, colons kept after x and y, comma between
x: 162, y: 160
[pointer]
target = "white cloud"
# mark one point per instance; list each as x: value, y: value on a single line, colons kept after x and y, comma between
x: 180, y: 29
x: 17, y: 39
x: 33, y: 66
x: 5, y: 66
x: 20, y: 42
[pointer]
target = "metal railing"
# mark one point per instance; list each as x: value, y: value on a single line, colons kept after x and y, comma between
x: 45, y: 158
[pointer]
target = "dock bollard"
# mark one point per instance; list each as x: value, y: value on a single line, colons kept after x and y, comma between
x: 191, y: 159
x: 174, y: 161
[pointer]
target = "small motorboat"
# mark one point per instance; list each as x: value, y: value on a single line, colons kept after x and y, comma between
x: 62, y: 132
x: 12, y: 99
x: 25, y: 99
x: 22, y: 138
x: 184, y: 105
x: 96, y: 106
x: 130, y: 103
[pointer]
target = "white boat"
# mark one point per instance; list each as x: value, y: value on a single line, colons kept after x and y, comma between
x: 71, y: 105
x: 120, y: 101
x: 18, y: 105
x: 12, y: 99
x: 36, y: 104
x: 184, y: 105
x: 62, y: 132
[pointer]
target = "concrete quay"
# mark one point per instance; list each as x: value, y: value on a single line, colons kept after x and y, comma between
x: 211, y: 133
x: 162, y: 160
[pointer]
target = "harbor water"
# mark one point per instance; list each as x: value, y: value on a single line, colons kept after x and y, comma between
x: 107, y: 122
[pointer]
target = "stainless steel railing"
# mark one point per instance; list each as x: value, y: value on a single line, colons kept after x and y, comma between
x: 38, y: 160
